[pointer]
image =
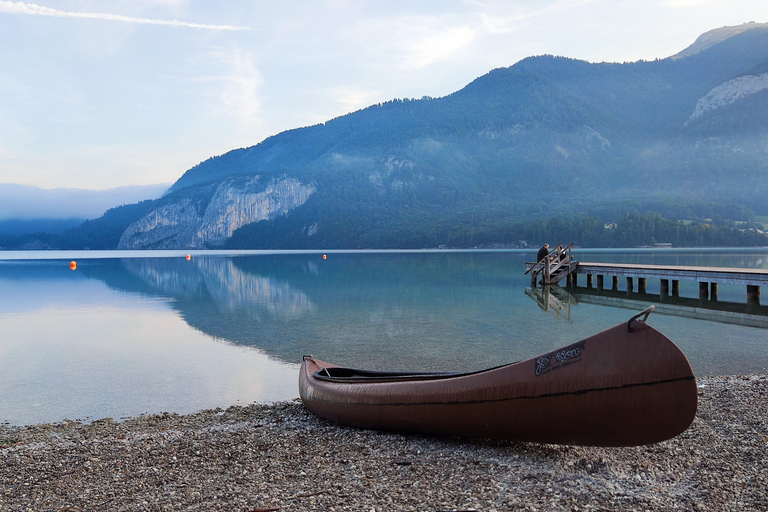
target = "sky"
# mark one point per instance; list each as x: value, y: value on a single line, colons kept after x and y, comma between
x: 98, y: 95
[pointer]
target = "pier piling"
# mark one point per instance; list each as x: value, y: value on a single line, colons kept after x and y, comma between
x: 709, y: 278
x: 703, y: 291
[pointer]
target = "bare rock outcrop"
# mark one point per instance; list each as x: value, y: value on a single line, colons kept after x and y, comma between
x: 728, y: 93
x: 236, y: 203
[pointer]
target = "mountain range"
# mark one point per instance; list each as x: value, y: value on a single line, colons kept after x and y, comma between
x: 547, y: 139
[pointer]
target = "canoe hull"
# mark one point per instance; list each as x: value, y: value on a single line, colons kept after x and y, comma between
x: 617, y: 388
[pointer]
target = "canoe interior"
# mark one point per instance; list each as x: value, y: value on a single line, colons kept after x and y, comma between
x: 341, y: 374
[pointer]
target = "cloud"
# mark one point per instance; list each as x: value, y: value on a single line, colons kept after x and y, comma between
x: 499, y: 25
x: 39, y: 10
x: 241, y: 86
x: 690, y: 3
x: 436, y: 45
x: 237, y: 87
x: 234, y: 89
x: 354, y: 98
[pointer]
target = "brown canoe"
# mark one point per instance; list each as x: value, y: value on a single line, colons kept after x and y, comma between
x: 626, y: 386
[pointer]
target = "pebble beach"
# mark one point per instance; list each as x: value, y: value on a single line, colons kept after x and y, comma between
x: 279, y: 457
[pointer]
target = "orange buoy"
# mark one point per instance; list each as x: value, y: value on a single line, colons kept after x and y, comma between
x: 324, y: 256
x: 73, y: 265
x: 189, y: 257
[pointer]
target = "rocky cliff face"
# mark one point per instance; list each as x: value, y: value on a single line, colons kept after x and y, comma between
x: 727, y: 93
x: 236, y: 202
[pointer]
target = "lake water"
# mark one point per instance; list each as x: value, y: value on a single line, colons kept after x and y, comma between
x: 128, y: 333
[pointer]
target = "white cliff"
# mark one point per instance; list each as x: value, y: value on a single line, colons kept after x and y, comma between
x: 235, y: 206
x: 728, y: 93
x: 236, y: 203
x: 170, y: 226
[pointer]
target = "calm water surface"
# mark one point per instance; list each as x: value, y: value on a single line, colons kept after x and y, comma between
x: 128, y: 333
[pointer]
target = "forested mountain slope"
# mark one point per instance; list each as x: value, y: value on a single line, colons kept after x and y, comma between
x: 549, y: 137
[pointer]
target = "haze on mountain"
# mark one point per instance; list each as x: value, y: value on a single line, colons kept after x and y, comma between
x: 548, y: 140
x: 26, y: 209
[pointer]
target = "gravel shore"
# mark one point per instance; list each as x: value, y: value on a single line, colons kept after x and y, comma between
x: 280, y: 457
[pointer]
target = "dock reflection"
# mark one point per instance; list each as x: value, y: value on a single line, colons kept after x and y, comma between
x: 553, y: 299
x: 558, y: 301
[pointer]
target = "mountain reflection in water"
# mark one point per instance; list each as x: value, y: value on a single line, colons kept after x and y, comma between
x: 350, y: 307
x: 417, y: 310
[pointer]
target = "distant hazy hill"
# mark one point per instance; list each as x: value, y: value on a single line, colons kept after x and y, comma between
x: 27, y: 209
x: 549, y: 137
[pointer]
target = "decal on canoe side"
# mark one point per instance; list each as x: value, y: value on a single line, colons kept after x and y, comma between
x: 561, y: 358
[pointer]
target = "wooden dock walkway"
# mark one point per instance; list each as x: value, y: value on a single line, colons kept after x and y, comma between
x: 707, y: 277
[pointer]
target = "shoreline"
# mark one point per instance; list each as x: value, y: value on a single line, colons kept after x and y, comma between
x: 281, y: 457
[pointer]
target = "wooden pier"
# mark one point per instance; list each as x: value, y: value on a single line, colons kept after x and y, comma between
x: 707, y: 277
